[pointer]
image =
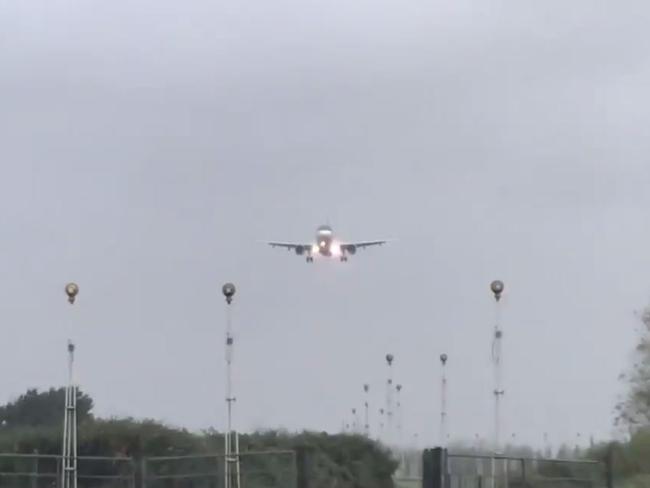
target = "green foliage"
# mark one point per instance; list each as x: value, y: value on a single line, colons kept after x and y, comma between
x: 128, y: 437
x: 42, y: 409
x: 628, y: 459
x: 349, y: 460
x: 634, y: 410
x: 631, y: 460
x: 34, y: 423
x: 637, y: 481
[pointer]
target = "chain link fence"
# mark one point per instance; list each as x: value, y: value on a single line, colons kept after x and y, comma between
x: 271, y: 469
x: 469, y: 471
x: 304, y: 468
x: 44, y: 471
x: 443, y: 470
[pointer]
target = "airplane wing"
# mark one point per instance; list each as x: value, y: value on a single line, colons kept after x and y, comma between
x: 361, y: 245
x: 290, y: 245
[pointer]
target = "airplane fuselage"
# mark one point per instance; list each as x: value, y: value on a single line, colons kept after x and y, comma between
x: 324, y: 240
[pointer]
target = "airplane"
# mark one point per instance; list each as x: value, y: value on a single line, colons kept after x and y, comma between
x: 326, y: 246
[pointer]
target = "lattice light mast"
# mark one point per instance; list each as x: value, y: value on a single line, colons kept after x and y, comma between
x: 576, y: 452
x: 399, y: 418
x: 389, y: 399
x: 69, y: 454
x: 443, y: 401
x: 497, y: 288
x: 232, y: 475
x: 366, y: 413
x: 548, y: 451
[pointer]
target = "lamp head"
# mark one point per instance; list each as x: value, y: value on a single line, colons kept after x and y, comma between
x: 72, y: 290
x: 229, y: 292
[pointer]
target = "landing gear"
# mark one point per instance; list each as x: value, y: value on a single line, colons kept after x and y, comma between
x: 310, y: 259
x: 344, y: 259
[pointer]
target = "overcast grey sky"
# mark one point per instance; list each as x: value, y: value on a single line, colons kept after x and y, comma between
x: 147, y: 147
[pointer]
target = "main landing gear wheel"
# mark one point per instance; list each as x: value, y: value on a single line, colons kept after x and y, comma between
x: 310, y: 259
x: 344, y: 259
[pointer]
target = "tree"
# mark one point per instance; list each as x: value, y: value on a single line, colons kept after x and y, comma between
x: 42, y: 409
x: 34, y: 423
x: 634, y: 410
x: 564, y: 452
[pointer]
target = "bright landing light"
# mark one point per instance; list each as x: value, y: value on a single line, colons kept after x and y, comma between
x: 335, y: 249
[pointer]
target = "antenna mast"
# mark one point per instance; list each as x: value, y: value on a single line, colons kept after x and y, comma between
x: 389, y: 399
x: 399, y: 414
x: 443, y: 401
x: 232, y: 475
x: 366, y: 406
x: 497, y: 288
x: 69, y: 455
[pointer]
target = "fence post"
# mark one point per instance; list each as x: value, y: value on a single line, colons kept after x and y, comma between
x: 59, y: 467
x: 138, y: 464
x: 609, y: 466
x: 139, y: 474
x: 434, y: 468
x: 304, y: 458
x: 35, y: 470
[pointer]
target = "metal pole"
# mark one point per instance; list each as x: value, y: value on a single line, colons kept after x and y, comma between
x: 399, y: 419
x: 399, y: 414
x: 74, y: 421
x: 70, y: 426
x: 35, y: 469
x: 497, y: 288
x: 64, y: 448
x: 237, y: 464
x: 443, y: 402
x: 143, y: 472
x: 69, y: 453
x: 389, y: 399
x: 416, y: 466
x: 477, y: 451
x: 231, y: 438
x: 546, y: 449
x: 229, y: 400
x: 609, y: 466
x: 366, y: 405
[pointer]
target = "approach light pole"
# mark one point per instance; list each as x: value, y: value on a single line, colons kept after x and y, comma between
x: 389, y: 399
x: 366, y: 406
x: 232, y: 474
x: 443, y: 401
x: 548, y: 453
x: 399, y: 418
x: 355, y: 421
x: 69, y: 454
x: 497, y: 288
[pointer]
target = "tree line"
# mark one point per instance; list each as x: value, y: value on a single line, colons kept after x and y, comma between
x: 32, y: 423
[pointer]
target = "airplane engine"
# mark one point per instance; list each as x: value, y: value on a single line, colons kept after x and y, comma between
x: 300, y: 250
x: 351, y: 249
